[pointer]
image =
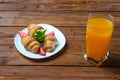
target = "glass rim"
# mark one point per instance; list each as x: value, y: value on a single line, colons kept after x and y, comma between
x: 101, y: 13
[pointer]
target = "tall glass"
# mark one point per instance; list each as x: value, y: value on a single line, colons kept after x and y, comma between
x: 98, y: 36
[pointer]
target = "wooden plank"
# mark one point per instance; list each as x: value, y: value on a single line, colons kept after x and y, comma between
x: 99, y: 6
x: 54, y: 1
x: 103, y: 1
x: 60, y: 72
x: 60, y: 5
x: 17, y: 18
x: 41, y: 1
x: 64, y: 6
x: 48, y: 7
x: 25, y: 18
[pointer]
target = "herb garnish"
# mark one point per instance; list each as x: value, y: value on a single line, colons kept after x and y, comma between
x: 39, y: 36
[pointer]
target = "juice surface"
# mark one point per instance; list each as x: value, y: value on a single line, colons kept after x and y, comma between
x: 98, y: 36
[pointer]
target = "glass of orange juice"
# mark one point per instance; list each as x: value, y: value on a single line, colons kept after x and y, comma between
x: 98, y: 36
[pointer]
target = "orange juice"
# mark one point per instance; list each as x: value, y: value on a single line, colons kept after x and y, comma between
x: 98, y: 36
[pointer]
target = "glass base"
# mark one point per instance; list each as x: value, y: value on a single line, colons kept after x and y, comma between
x: 97, y: 63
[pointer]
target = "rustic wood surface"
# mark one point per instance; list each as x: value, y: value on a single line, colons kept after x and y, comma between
x: 70, y: 16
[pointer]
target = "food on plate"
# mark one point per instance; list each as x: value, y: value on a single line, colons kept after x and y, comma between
x: 51, y: 33
x: 42, y: 52
x: 50, y: 43
x: 30, y: 43
x: 37, y: 41
x: 39, y: 36
x: 22, y: 34
x: 32, y: 28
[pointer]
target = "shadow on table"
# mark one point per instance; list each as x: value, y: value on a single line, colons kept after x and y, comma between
x: 113, y: 60
x: 112, y: 66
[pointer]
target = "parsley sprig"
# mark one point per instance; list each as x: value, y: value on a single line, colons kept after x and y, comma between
x: 39, y: 36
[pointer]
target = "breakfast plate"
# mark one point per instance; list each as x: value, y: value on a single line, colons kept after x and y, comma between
x: 58, y: 34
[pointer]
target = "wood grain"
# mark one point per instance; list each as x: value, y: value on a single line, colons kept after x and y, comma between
x: 10, y: 78
x: 17, y: 18
x: 60, y: 5
x: 60, y: 72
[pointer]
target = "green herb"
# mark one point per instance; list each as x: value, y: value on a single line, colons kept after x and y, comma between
x: 39, y: 36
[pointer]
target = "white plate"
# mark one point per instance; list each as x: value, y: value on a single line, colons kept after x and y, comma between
x: 58, y: 34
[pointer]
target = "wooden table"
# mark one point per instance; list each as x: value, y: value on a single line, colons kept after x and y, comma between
x: 69, y: 16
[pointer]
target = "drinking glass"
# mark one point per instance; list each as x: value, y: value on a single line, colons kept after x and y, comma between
x: 98, y: 36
